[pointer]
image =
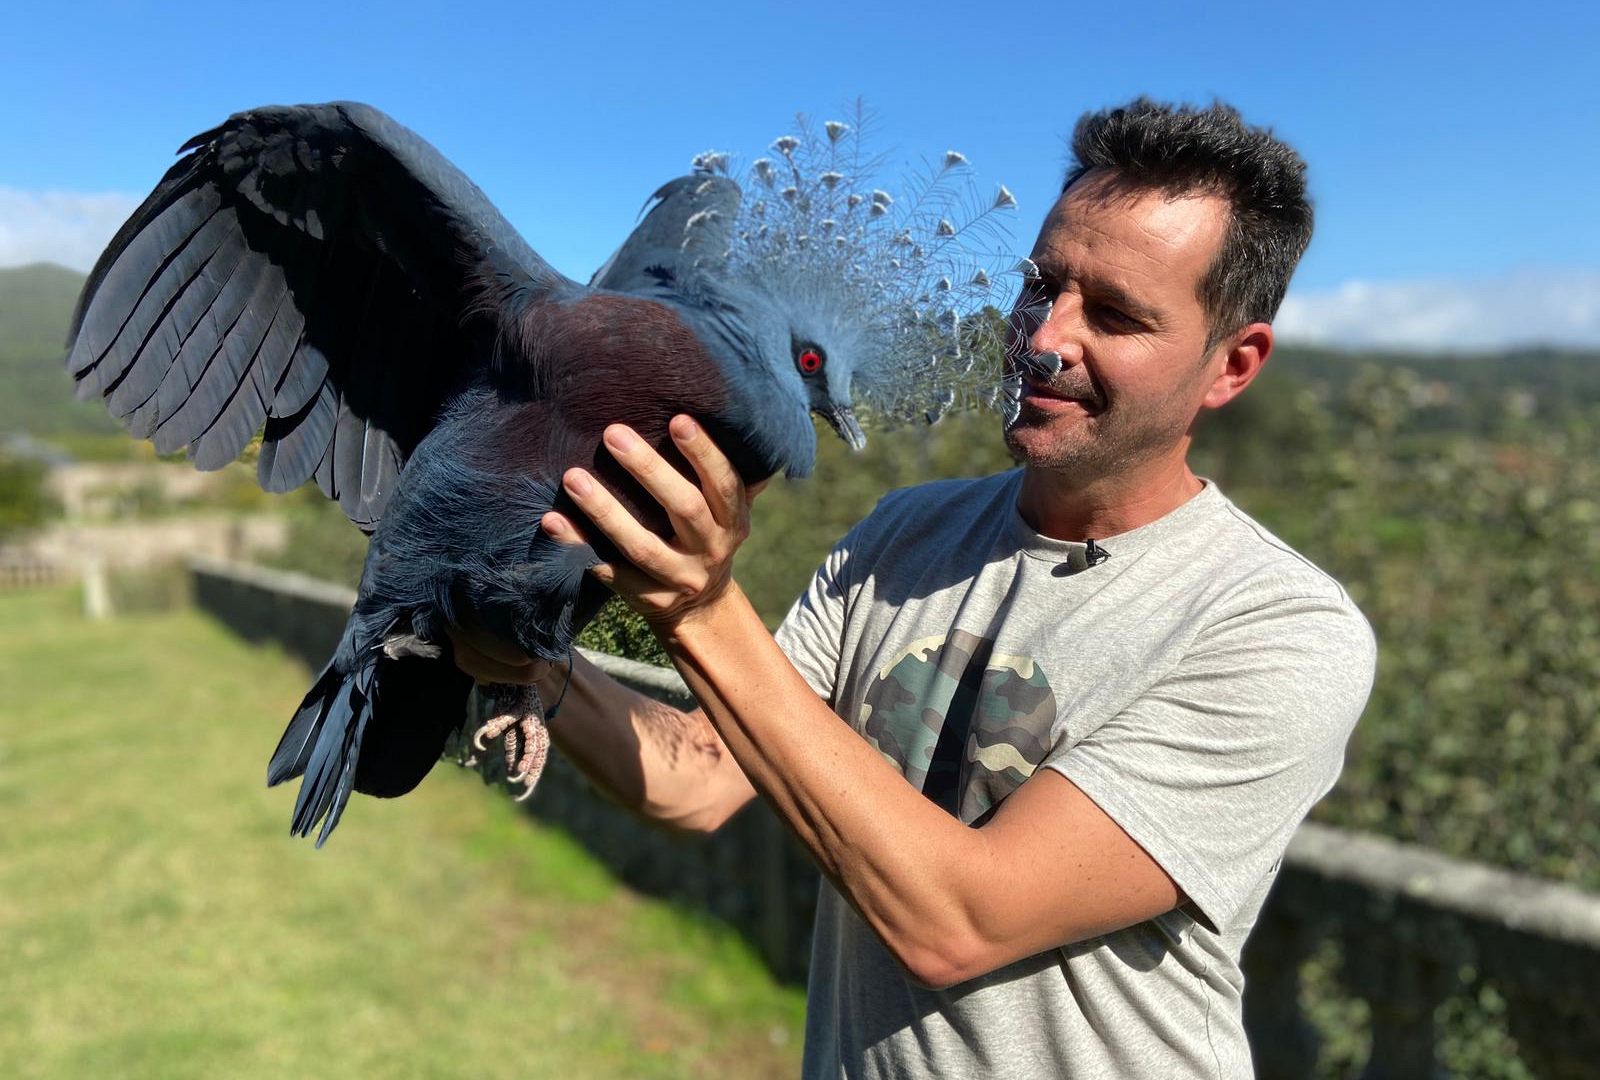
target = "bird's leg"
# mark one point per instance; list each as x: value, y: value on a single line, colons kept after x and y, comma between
x: 516, y: 715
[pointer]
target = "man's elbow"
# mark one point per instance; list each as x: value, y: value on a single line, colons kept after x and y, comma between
x: 701, y: 822
x: 941, y: 956
x: 701, y: 818
x: 941, y: 964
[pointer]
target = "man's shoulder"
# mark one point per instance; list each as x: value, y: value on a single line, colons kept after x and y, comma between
x: 941, y: 501
x: 1259, y: 558
x: 1252, y: 571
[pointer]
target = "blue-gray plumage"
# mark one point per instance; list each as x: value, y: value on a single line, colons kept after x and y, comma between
x: 322, y: 275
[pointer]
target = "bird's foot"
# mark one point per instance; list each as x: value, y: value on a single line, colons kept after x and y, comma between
x: 518, y: 720
x: 535, y: 740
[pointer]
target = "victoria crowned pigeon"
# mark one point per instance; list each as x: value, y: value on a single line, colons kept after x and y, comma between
x: 325, y: 273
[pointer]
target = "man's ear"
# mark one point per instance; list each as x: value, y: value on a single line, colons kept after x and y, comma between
x: 1246, y: 351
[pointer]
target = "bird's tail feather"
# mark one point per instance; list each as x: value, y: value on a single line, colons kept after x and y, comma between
x: 417, y: 702
x: 299, y: 738
x: 323, y: 743
x: 377, y: 729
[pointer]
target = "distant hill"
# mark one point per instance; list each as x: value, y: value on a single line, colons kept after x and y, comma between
x: 35, y: 391
x: 1469, y: 391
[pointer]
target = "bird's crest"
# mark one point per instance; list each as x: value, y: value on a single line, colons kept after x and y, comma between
x: 914, y: 271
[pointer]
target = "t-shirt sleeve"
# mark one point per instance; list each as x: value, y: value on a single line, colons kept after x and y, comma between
x: 1213, y: 768
x: 812, y: 634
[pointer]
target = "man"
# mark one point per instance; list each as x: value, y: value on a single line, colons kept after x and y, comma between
x: 1185, y: 680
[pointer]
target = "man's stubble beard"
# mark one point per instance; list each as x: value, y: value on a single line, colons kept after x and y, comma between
x: 1082, y: 453
x: 1103, y: 445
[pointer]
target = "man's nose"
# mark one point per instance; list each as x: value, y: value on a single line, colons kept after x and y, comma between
x: 1058, y: 329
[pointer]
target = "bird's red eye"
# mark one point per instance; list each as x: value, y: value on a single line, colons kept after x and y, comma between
x: 810, y: 361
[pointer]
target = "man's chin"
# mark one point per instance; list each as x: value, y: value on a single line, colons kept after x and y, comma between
x: 1038, y: 447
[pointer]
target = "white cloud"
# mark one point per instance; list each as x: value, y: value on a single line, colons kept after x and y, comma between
x: 64, y: 227
x: 1526, y: 307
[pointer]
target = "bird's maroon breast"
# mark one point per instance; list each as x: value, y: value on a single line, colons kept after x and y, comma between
x: 620, y: 356
x: 602, y: 360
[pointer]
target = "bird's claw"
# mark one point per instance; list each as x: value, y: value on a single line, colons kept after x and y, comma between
x: 529, y: 764
x: 518, y: 720
x: 493, y: 729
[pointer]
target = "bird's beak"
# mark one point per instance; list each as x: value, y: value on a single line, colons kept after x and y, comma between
x: 842, y: 419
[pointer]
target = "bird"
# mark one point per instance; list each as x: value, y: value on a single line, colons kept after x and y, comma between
x: 322, y: 278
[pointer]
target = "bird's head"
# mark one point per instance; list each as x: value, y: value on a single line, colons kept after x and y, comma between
x: 821, y: 294
x: 826, y: 382
x: 798, y: 339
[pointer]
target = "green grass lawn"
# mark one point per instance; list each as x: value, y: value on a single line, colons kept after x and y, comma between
x: 156, y: 920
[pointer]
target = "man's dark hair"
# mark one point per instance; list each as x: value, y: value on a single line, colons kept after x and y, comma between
x: 1185, y: 150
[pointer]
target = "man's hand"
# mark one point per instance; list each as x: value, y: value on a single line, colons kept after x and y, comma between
x: 665, y: 581
x: 488, y: 659
x: 668, y: 765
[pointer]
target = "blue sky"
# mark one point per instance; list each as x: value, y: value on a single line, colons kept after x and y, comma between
x: 1454, y: 150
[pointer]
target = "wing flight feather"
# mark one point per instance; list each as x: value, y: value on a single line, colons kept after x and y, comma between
x: 308, y: 268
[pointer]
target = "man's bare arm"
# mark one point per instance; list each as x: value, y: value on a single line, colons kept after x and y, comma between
x: 660, y: 762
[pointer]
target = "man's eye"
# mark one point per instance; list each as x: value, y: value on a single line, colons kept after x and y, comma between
x: 1116, y: 318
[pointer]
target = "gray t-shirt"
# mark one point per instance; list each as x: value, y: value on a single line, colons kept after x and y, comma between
x: 1199, y: 685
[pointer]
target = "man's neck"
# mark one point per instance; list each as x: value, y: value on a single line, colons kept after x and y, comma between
x: 1067, y: 507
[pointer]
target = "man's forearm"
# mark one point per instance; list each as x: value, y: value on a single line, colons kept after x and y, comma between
x: 898, y: 858
x: 653, y: 759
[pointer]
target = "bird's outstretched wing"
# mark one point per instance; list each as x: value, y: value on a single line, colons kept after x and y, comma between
x: 310, y: 268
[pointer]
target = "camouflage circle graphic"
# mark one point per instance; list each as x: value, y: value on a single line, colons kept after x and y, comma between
x: 965, y: 725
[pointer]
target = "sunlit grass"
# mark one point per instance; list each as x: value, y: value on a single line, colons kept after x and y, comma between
x: 157, y: 921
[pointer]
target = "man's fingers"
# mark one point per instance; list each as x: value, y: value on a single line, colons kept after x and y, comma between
x: 562, y: 529
x: 637, y: 544
x: 624, y: 579
x: 471, y: 636
x: 652, y: 573
x: 723, y: 490
x: 682, y: 501
x: 489, y: 660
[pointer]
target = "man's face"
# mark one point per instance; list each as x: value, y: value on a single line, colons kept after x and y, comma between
x: 1117, y: 300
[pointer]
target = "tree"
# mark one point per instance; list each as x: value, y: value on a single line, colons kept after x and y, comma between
x: 25, y: 501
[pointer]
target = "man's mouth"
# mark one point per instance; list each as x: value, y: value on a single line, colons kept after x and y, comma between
x: 1052, y: 399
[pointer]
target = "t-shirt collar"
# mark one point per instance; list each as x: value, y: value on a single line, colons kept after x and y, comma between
x: 1025, y: 538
